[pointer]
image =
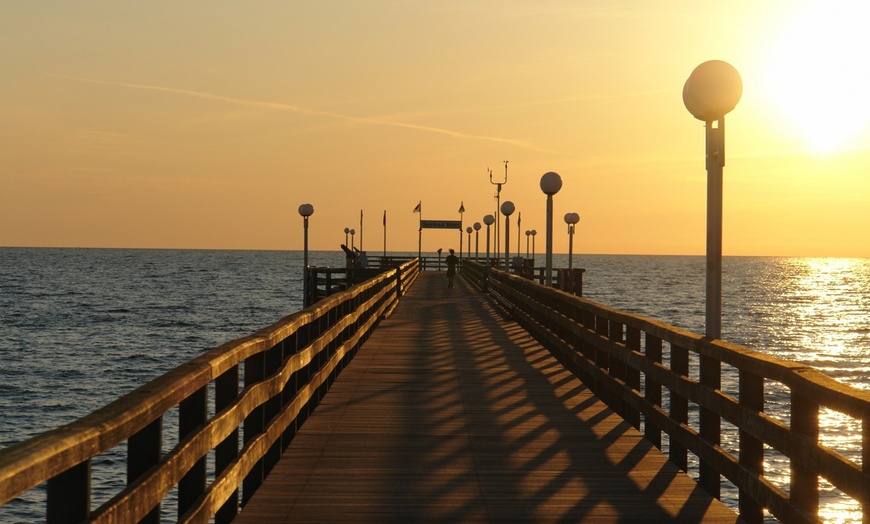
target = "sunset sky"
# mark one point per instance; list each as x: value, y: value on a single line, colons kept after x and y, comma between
x: 205, y: 124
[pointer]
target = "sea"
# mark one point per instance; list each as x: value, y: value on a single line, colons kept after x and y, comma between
x: 81, y: 327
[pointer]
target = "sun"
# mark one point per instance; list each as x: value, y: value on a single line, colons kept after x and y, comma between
x: 818, y: 72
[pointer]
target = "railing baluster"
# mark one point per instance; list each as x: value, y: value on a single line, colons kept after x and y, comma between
x: 751, y: 390
x: 192, y: 412
x: 679, y: 406
x: 710, y: 425
x: 653, y: 393
x: 144, y: 450
x: 804, y: 490
x: 69, y: 495
x: 253, y: 425
x: 227, y: 391
x: 274, y: 357
x: 632, y: 375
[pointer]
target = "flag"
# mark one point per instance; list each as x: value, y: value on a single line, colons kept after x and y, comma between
x: 462, y: 207
x: 418, y: 209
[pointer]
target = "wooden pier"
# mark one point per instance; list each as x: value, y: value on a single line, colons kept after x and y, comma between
x: 452, y: 413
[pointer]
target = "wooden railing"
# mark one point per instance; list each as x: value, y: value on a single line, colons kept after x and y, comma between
x: 264, y: 387
x: 652, y: 373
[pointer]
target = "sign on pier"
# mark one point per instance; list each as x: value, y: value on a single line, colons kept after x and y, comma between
x: 441, y: 224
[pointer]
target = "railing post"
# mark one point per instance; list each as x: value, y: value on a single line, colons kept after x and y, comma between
x: 69, y: 495
x: 751, y: 391
x: 804, y: 491
x: 710, y: 425
x: 679, y: 405
x: 865, y: 461
x: 192, y: 412
x: 398, y: 282
x: 253, y: 425
x: 653, y: 390
x: 144, y: 450
x: 632, y: 376
x: 617, y: 366
x: 225, y: 393
x: 272, y: 408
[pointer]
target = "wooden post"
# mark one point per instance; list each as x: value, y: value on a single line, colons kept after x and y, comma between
x: 751, y: 391
x: 632, y: 376
x: 226, y: 392
x: 679, y: 406
x: 192, y: 412
x: 253, y: 425
x: 804, y: 491
x: 144, y: 450
x: 710, y: 425
x: 69, y: 495
x: 653, y: 389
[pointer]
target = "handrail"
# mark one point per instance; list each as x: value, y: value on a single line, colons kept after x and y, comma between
x: 286, y: 369
x: 635, y: 364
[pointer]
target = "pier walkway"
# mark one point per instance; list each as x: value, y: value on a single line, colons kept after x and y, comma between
x: 450, y: 412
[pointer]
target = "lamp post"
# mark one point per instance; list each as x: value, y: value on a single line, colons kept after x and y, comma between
x: 551, y: 183
x: 571, y: 219
x: 477, y: 227
x: 346, y: 231
x: 711, y: 91
x: 305, y: 211
x: 528, y: 235
x: 488, y: 220
x: 507, y: 209
x: 352, y: 233
x: 534, y: 233
x: 468, y: 230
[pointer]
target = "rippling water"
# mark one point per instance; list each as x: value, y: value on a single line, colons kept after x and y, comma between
x: 81, y: 327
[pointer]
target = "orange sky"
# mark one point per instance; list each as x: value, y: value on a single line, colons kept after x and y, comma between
x: 206, y: 124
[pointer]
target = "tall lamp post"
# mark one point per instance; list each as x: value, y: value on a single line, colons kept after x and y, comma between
x: 305, y: 210
x: 712, y: 91
x: 477, y: 227
x: 571, y: 219
x: 468, y: 230
x: 551, y: 183
x: 346, y: 232
x: 352, y: 233
x: 534, y: 233
x: 507, y: 209
x: 528, y: 235
x: 488, y: 220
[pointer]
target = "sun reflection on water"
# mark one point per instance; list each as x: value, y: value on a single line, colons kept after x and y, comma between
x: 818, y: 307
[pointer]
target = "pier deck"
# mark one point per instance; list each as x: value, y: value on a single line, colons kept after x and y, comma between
x: 450, y: 412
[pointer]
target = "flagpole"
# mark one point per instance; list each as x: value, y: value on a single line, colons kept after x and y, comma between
x: 385, y: 233
x: 360, y: 229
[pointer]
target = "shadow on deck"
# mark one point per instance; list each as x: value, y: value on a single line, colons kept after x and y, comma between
x: 449, y: 412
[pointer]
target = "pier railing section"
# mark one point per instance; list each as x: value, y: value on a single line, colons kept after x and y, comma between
x: 664, y: 380
x: 238, y: 407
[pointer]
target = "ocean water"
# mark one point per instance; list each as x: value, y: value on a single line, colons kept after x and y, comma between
x: 80, y: 327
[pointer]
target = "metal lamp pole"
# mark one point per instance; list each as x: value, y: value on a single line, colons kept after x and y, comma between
x: 488, y: 220
x: 507, y: 209
x: 571, y: 219
x: 711, y: 91
x: 477, y: 227
x: 551, y: 183
x: 305, y: 211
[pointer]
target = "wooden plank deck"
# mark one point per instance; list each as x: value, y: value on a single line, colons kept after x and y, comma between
x: 450, y: 413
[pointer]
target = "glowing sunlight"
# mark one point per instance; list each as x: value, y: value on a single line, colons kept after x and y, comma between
x: 816, y: 73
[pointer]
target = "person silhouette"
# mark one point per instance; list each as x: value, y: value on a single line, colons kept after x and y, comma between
x: 452, y: 261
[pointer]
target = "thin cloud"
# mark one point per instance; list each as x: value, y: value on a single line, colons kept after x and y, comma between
x: 305, y: 111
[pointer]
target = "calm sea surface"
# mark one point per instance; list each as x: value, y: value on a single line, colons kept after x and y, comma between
x: 80, y: 327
